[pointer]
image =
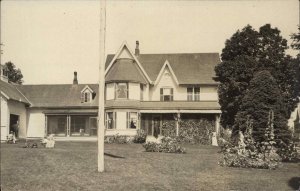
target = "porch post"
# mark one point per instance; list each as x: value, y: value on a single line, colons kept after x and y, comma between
x: 217, y: 123
x: 68, y: 125
x: 46, y: 127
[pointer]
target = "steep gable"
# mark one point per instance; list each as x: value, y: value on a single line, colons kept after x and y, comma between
x: 124, y: 66
x: 189, y: 68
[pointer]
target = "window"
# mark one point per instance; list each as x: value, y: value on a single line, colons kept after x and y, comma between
x: 166, y: 94
x: 141, y: 92
x: 109, y: 120
x: 193, y: 93
x: 132, y: 120
x: 197, y: 94
x: 85, y: 97
x: 190, y: 94
x: 121, y: 91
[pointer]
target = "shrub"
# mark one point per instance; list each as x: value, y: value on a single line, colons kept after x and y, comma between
x: 195, y: 131
x: 140, y: 137
x: 249, y: 154
x: 119, y: 139
x: 168, y: 145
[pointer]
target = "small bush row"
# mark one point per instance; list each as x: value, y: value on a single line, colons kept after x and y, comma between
x: 168, y: 145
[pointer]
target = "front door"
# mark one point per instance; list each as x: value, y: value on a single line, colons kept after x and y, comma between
x: 156, y: 125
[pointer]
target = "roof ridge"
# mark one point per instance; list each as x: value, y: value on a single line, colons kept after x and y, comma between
x: 53, y: 84
x: 174, y: 53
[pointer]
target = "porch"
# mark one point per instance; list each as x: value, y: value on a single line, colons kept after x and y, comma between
x: 176, y: 124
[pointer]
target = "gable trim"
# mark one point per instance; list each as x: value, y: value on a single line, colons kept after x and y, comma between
x: 162, y: 71
x: 124, y: 44
x: 87, y: 87
x: 6, y: 96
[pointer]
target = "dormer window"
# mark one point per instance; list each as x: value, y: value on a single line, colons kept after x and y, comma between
x: 86, y: 95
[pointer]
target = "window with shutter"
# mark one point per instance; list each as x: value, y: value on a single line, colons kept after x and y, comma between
x: 166, y: 94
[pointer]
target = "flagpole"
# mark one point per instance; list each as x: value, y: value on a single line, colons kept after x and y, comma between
x: 101, y: 126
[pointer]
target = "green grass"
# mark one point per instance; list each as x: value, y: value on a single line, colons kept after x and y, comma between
x: 73, y: 166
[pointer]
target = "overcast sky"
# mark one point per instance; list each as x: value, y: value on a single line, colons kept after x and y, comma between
x: 49, y: 40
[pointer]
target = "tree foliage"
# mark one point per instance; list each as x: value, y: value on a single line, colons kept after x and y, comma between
x: 262, y: 97
x: 14, y: 74
x: 247, y: 52
x: 296, y: 40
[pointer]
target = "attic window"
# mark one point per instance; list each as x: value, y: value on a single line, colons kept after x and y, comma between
x: 85, y: 97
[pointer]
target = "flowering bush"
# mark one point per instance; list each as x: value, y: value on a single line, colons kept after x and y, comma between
x: 119, y: 139
x: 249, y: 154
x: 168, y: 145
x: 140, y: 137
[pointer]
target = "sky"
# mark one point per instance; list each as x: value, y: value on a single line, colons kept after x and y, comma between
x: 49, y: 40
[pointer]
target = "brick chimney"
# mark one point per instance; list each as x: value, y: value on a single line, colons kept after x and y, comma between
x: 137, y: 49
x: 75, y: 81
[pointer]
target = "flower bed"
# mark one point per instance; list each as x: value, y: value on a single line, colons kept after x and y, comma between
x: 168, y: 145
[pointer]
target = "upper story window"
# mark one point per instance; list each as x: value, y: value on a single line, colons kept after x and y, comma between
x: 193, y: 93
x: 121, y: 91
x: 87, y: 94
x: 86, y: 97
x: 166, y: 94
x: 141, y: 92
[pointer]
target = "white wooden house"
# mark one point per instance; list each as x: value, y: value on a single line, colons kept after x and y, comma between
x: 141, y: 91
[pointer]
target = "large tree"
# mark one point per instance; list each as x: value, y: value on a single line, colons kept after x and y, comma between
x: 249, y: 51
x: 263, y: 95
x: 296, y: 40
x: 14, y: 74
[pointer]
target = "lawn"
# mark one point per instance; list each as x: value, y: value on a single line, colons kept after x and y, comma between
x: 73, y: 165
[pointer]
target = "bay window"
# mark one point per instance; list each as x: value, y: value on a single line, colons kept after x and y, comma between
x: 121, y: 91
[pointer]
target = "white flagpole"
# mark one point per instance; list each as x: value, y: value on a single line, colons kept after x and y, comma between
x: 101, y: 126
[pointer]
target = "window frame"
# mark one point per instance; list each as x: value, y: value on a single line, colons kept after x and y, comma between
x: 129, y: 120
x: 162, y: 95
x: 193, y: 95
x: 116, y: 90
x: 113, y: 126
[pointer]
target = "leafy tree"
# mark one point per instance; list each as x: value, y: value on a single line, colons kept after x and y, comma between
x: 263, y: 96
x: 14, y: 75
x: 296, y: 40
x: 249, y: 51
x: 296, y: 61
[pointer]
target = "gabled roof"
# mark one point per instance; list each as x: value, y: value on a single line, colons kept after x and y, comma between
x: 86, y: 87
x: 10, y: 91
x: 189, y: 68
x: 125, y: 70
x: 112, y: 63
x: 166, y: 65
x: 56, y: 96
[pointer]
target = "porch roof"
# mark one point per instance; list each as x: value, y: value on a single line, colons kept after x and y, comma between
x: 159, y: 105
